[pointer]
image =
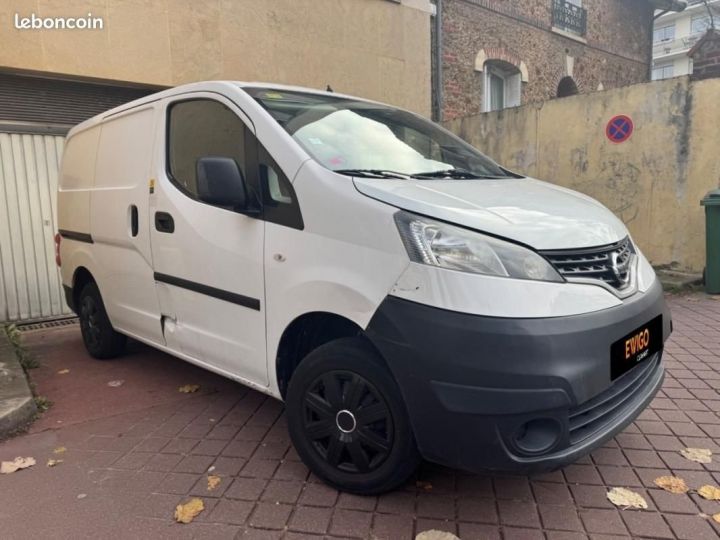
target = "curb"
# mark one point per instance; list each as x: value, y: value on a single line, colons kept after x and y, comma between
x: 17, y: 405
x: 677, y: 281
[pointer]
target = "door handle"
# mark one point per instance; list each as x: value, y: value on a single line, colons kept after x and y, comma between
x: 134, y: 223
x: 164, y: 222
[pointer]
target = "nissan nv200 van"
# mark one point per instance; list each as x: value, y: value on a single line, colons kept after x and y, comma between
x: 403, y: 294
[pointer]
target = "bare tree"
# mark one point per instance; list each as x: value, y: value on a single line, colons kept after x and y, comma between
x: 710, y: 13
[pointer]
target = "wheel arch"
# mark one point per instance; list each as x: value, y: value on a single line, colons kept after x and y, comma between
x: 306, y: 333
x: 81, y: 277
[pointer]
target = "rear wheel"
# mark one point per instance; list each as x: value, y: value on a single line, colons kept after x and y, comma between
x: 347, y: 420
x: 100, y: 339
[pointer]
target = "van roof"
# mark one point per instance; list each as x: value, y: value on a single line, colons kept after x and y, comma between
x: 200, y: 86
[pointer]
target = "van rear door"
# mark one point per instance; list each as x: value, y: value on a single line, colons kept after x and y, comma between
x: 208, y: 260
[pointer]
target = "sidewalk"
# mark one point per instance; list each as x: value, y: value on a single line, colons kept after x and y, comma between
x: 136, y: 450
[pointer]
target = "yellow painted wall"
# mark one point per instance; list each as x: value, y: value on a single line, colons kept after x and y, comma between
x: 372, y: 48
x: 653, y: 182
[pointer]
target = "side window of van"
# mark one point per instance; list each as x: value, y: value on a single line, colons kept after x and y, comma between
x: 199, y: 128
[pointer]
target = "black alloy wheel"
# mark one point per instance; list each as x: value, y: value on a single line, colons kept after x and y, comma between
x: 90, y: 322
x: 100, y: 338
x: 347, y: 419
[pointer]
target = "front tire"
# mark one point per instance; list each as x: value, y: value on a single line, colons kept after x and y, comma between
x: 100, y: 338
x: 347, y: 419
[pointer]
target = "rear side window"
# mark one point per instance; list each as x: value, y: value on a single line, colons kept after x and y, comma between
x: 199, y: 128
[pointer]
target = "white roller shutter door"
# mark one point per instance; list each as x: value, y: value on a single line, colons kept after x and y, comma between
x: 30, y: 286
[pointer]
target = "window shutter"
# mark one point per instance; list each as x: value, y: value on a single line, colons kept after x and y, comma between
x: 514, y: 91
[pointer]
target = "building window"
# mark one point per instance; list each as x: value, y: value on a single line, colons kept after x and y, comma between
x: 570, y: 16
x: 502, y: 88
x: 665, y: 33
x: 662, y: 71
x: 699, y: 24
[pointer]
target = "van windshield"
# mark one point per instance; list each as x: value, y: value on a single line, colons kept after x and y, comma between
x: 368, y: 139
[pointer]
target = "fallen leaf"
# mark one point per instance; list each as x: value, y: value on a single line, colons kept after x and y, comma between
x: 716, y: 517
x: 53, y: 462
x: 59, y: 450
x: 185, y: 513
x: 626, y: 498
x: 189, y: 388
x: 213, y: 482
x: 673, y: 484
x: 711, y: 493
x: 81, y: 495
x: 434, y: 534
x: 698, y: 455
x: 116, y: 383
x: 427, y: 486
x: 63, y: 372
x: 7, y: 467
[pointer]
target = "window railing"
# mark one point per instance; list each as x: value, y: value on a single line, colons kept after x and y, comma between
x: 569, y: 17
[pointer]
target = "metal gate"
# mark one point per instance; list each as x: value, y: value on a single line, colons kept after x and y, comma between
x: 30, y: 286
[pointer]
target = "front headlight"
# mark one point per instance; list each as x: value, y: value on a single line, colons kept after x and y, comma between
x: 438, y: 244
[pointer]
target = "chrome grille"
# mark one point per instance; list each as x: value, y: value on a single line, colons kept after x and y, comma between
x: 612, y: 264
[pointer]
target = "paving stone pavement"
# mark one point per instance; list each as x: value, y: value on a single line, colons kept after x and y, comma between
x: 136, y: 450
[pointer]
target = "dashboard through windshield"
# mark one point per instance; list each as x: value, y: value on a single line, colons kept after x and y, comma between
x: 368, y: 139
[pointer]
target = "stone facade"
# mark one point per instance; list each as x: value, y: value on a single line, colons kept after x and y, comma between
x: 615, y: 50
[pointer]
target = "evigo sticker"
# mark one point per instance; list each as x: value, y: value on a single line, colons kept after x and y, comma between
x: 637, y: 343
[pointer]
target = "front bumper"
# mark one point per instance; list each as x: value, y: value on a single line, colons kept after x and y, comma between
x: 473, y: 384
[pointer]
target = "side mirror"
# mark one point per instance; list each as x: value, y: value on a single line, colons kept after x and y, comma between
x: 220, y: 181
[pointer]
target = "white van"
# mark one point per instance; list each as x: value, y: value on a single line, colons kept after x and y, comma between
x: 402, y: 293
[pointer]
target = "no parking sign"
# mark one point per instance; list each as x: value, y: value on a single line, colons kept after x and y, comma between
x: 619, y: 128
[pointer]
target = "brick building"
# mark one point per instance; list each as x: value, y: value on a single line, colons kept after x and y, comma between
x: 496, y: 54
x: 706, y: 56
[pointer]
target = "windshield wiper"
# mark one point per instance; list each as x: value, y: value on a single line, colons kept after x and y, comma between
x: 461, y: 174
x: 372, y: 173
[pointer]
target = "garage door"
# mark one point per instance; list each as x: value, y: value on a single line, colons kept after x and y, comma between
x: 35, y: 113
x: 30, y: 285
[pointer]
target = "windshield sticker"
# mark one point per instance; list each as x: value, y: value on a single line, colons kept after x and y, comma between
x: 273, y: 95
x: 314, y: 140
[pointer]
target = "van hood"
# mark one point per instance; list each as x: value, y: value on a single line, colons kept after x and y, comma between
x: 535, y: 213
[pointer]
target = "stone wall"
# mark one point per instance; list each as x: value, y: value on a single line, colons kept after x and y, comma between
x: 613, y: 53
x: 653, y: 181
